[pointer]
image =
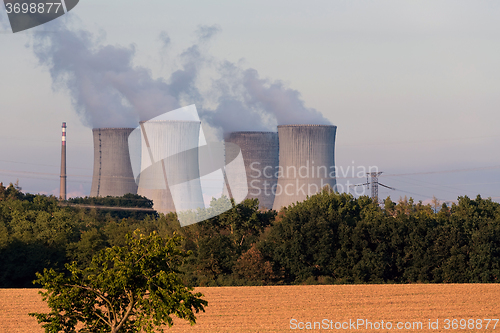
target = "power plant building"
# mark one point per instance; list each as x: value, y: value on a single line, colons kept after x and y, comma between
x: 306, y: 162
x: 113, y: 174
x: 260, y: 155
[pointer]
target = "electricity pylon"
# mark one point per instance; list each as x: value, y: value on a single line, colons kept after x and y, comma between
x: 373, y: 184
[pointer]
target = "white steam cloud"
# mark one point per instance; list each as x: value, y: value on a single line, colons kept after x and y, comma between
x: 107, y: 90
x: 248, y: 103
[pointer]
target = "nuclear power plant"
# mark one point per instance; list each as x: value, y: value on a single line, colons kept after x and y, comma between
x: 260, y: 154
x: 280, y: 168
x: 306, y: 162
x: 169, y: 163
x: 112, y: 169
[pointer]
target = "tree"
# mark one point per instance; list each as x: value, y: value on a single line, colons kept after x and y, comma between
x: 253, y: 269
x: 219, y: 241
x: 124, y: 289
x: 11, y: 192
x: 305, y: 241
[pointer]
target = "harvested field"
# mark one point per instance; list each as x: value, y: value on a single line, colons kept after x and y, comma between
x: 271, y: 309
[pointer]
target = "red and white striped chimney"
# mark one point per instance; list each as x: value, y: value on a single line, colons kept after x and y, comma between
x: 62, y: 189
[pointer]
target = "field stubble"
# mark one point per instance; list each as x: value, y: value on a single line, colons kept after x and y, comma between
x: 270, y: 309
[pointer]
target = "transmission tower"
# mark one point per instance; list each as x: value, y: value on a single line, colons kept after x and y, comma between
x: 373, y: 184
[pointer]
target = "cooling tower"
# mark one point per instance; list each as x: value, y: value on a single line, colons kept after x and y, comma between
x: 306, y: 162
x: 260, y: 155
x: 112, y: 169
x: 169, y: 162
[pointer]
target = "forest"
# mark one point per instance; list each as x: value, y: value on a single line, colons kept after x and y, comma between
x: 330, y: 238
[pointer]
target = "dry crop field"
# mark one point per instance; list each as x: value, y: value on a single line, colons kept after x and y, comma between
x: 282, y: 308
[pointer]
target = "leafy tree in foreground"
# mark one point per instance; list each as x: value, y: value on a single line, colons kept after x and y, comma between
x: 125, y: 289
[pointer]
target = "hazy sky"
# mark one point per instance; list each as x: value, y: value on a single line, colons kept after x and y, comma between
x: 413, y: 86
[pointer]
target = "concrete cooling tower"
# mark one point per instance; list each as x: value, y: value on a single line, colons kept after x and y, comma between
x: 170, y: 173
x: 260, y: 155
x: 306, y: 162
x: 112, y: 169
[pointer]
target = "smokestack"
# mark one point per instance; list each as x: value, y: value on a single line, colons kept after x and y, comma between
x: 113, y: 174
x: 260, y: 155
x: 62, y: 187
x: 170, y: 174
x: 306, y: 162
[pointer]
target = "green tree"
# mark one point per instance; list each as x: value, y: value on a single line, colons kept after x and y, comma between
x: 218, y: 242
x: 124, y: 289
x: 304, y: 241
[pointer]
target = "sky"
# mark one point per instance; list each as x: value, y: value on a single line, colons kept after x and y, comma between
x: 412, y: 86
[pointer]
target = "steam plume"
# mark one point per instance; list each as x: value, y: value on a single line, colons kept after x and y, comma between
x: 107, y: 90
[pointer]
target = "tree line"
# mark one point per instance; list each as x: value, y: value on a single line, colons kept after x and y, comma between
x: 329, y: 238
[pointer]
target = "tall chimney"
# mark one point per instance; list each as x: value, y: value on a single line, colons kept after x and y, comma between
x: 62, y: 189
